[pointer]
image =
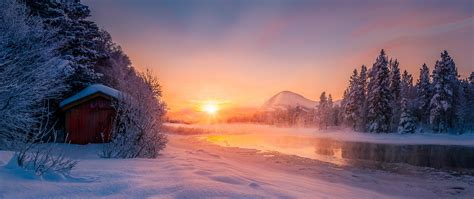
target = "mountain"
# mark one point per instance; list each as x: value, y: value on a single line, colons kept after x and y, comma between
x: 285, y: 99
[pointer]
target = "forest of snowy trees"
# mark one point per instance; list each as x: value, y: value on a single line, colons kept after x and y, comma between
x: 383, y: 100
x: 49, y: 50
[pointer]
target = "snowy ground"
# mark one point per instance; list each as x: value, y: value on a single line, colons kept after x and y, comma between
x: 191, y: 167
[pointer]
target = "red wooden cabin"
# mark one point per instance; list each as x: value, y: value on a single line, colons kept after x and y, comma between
x: 89, y: 114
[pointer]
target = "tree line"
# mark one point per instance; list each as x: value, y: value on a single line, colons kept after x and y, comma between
x: 384, y: 100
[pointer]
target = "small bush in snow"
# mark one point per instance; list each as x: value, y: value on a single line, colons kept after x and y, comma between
x: 36, y: 154
x: 43, y: 158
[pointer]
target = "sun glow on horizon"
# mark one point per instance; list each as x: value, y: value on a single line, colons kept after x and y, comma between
x: 210, y: 108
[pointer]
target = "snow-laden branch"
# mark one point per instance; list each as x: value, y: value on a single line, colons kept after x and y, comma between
x: 31, y: 72
x: 137, y: 125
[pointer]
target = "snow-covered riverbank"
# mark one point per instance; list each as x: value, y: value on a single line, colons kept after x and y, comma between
x: 335, y: 134
x: 193, y: 168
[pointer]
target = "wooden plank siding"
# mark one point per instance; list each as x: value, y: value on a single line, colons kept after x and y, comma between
x: 86, y: 121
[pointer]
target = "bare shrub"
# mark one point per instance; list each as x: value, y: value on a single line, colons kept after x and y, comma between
x: 38, y: 150
x: 44, y: 157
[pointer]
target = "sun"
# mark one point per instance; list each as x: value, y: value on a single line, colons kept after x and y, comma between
x: 210, y: 108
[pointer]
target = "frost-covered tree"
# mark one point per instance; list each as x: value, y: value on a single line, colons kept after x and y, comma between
x: 424, y: 92
x: 336, y: 115
x: 407, y: 90
x: 379, y: 96
x: 395, y: 80
x: 468, y: 86
x: 407, y: 122
x: 355, y: 100
x: 461, y: 123
x: 137, y: 125
x: 322, y: 111
x: 362, y: 98
x: 351, y: 109
x: 443, y: 102
x: 31, y: 72
x: 395, y: 90
x: 345, y: 98
x: 332, y: 115
x: 82, y: 42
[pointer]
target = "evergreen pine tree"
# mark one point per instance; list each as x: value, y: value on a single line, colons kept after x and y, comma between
x: 345, y: 99
x: 322, y: 111
x: 407, y: 121
x: 462, y: 122
x: 82, y: 45
x: 331, y: 121
x: 406, y: 87
x: 424, y: 92
x: 469, y: 109
x: 443, y: 103
x: 379, y: 96
x: 336, y: 110
x: 361, y: 93
x: 395, y: 90
x: 395, y: 80
x: 350, y: 108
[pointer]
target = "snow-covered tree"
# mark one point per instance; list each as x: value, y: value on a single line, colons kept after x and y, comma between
x: 408, y: 91
x: 354, y: 104
x: 332, y: 115
x: 424, y: 91
x: 336, y: 115
x: 468, y: 86
x: 362, y: 99
x: 31, y: 72
x: 322, y: 111
x: 82, y: 43
x: 461, y: 123
x: 140, y: 110
x: 407, y: 121
x: 379, y: 96
x: 395, y: 80
x: 443, y: 103
x: 344, y: 100
x: 395, y: 90
x: 351, y: 109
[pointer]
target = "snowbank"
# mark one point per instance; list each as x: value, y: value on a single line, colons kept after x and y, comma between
x: 179, y: 173
x: 189, y: 168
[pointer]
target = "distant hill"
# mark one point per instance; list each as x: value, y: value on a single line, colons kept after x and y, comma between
x: 285, y: 99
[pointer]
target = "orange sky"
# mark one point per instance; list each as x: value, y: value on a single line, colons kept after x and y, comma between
x: 240, y: 53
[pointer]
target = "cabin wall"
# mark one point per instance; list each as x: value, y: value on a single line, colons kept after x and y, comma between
x: 86, y: 122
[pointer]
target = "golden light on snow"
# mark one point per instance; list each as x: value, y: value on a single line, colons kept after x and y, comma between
x: 210, y: 107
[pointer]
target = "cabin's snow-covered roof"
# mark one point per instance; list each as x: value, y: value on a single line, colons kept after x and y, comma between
x: 91, y: 90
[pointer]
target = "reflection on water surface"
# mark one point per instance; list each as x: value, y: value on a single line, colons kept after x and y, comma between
x: 343, y: 153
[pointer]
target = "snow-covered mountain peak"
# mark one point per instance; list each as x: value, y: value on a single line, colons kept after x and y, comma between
x: 285, y: 99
